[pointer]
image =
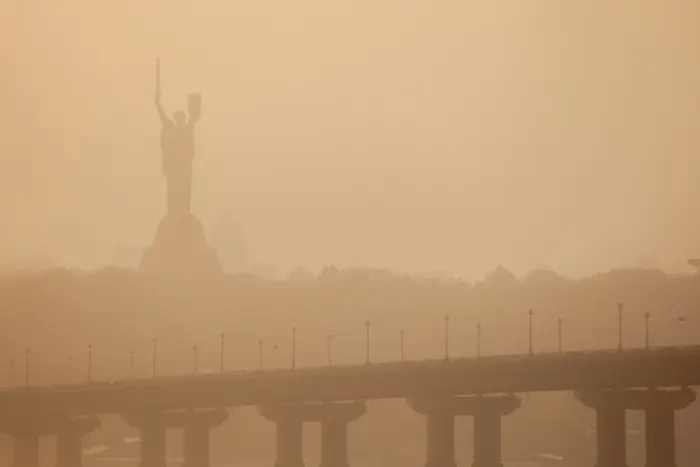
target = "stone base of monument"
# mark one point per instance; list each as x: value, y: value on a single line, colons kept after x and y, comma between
x: 180, y: 248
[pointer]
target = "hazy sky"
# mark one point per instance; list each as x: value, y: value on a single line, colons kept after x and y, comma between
x: 411, y: 134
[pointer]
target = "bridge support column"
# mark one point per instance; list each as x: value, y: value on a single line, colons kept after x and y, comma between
x: 440, y: 433
x: 153, y: 437
x: 26, y: 450
x: 197, y: 428
x: 488, y: 415
x: 660, y: 425
x: 334, y: 419
x: 660, y: 407
x: 69, y: 440
x: 290, y: 452
x: 290, y: 433
x: 334, y: 432
x: 487, y: 412
x: 611, y: 431
x: 27, y: 428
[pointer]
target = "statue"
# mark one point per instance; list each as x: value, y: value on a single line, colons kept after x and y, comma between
x: 180, y: 247
x: 177, y: 145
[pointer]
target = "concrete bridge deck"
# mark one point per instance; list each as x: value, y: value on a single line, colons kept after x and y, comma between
x: 603, y: 369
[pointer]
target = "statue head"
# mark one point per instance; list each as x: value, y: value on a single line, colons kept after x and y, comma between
x: 180, y: 118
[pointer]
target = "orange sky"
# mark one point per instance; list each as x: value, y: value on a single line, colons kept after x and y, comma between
x: 409, y: 134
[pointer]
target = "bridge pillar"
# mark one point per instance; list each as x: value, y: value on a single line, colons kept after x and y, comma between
x: 26, y: 450
x: 196, y: 425
x: 659, y: 406
x: 440, y: 432
x: 197, y: 429
x: 27, y: 428
x: 334, y: 419
x: 69, y: 440
x: 660, y: 425
x: 290, y: 433
x: 334, y: 432
x: 611, y: 432
x: 153, y: 436
x: 487, y: 411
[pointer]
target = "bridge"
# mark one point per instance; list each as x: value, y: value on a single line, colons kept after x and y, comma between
x: 656, y: 381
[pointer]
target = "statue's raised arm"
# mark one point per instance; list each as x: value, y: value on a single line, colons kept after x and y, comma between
x: 164, y: 119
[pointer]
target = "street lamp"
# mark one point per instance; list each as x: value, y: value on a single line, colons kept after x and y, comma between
x: 447, y: 337
x: 26, y: 367
x: 154, y: 357
x: 478, y: 341
x: 530, y: 314
x: 329, y: 349
x: 294, y: 347
x: 261, y: 345
x: 368, y: 335
x: 11, y: 373
x: 89, y: 369
x: 647, y: 315
x: 620, y: 307
x: 195, y: 355
x: 70, y: 368
x: 401, y: 348
x: 221, y: 353
x: 131, y: 363
x: 560, y: 324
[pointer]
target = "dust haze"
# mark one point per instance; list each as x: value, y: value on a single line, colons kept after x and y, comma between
x: 359, y: 164
x: 416, y: 136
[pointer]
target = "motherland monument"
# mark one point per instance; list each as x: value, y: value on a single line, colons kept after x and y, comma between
x: 180, y: 246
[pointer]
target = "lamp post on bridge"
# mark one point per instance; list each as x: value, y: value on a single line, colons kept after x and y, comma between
x: 70, y: 369
x: 647, y: 315
x: 26, y: 367
x: 447, y: 337
x: 221, y: 353
x: 401, y: 347
x: 530, y: 314
x: 195, y: 355
x: 132, y: 355
x: 155, y: 357
x: 89, y: 367
x: 620, y: 307
x: 478, y: 341
x: 560, y: 325
x: 11, y: 373
x: 368, y: 344
x: 329, y: 349
x: 261, y: 349
x: 294, y: 347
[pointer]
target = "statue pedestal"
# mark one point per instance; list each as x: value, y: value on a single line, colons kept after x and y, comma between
x: 180, y: 249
